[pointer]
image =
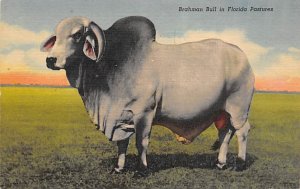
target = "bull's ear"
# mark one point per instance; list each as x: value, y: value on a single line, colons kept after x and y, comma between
x: 89, y: 48
x: 94, y: 43
x: 48, y: 44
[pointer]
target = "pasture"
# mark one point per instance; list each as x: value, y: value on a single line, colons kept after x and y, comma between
x: 47, y: 141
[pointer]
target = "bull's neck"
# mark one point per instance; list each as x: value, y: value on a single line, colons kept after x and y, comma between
x: 100, y: 84
x: 96, y: 102
x: 93, y: 89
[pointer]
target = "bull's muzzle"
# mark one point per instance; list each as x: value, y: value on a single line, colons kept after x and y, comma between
x: 51, y: 63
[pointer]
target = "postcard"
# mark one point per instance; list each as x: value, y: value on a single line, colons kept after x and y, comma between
x: 149, y: 94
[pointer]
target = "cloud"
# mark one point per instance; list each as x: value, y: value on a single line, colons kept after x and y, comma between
x: 14, y: 36
x: 285, y: 64
x: 294, y: 50
x: 19, y: 60
x: 22, y: 62
x: 20, y: 49
x: 13, y: 62
x: 237, y: 37
x: 280, y: 71
x: 283, y: 72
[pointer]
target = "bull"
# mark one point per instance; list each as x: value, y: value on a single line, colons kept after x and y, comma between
x: 129, y: 82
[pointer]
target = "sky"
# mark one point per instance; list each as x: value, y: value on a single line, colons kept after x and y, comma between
x: 270, y: 39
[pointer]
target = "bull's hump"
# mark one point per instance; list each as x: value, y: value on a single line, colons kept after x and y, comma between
x: 128, y: 40
x: 134, y: 26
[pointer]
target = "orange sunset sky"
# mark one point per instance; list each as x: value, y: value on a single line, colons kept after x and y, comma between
x: 262, y: 83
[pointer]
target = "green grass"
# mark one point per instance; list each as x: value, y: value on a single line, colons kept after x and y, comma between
x: 47, y: 141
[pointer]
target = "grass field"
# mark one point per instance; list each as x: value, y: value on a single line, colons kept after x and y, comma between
x: 47, y: 141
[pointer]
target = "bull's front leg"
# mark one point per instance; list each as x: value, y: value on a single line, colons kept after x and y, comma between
x: 143, y: 131
x: 122, y: 149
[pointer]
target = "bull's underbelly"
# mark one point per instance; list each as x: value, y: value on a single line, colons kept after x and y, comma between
x: 189, y: 110
x: 187, y: 129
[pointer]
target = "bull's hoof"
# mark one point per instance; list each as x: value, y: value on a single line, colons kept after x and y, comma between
x: 141, y: 174
x: 117, y: 170
x: 220, y: 166
x: 216, y: 145
x: 240, y: 164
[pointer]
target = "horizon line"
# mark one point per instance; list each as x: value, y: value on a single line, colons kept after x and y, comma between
x: 68, y: 86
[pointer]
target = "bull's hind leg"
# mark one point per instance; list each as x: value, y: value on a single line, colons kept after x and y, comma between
x: 225, y: 132
x: 237, y: 105
x: 242, y: 135
x: 225, y: 135
x: 221, y: 122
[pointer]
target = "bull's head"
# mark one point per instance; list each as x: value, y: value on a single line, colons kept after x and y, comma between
x: 75, y: 39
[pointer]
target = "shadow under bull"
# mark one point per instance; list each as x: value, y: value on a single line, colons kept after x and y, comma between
x: 158, y: 162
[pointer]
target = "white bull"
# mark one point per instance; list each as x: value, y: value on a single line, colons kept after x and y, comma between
x: 128, y: 82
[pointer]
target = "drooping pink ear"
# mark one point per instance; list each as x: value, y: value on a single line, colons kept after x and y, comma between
x: 48, y: 44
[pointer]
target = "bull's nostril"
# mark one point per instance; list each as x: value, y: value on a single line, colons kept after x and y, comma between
x: 51, y: 63
x: 51, y: 60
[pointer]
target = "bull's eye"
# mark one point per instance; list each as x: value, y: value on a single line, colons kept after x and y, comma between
x: 77, y: 36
